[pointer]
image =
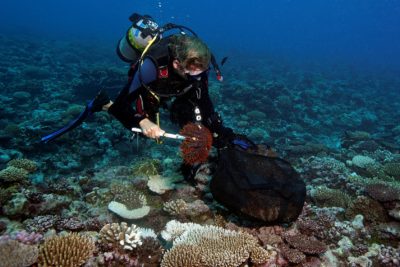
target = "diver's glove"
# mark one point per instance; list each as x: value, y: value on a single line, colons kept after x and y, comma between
x: 98, y: 102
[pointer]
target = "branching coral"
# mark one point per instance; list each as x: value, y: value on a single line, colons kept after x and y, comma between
x: 327, y: 197
x: 129, y: 243
x: 393, y: 169
x: 305, y: 244
x: 120, y: 236
x: 211, y: 246
x: 12, y: 174
x: 147, y: 167
x: 175, y: 207
x: 26, y: 164
x: 371, y: 209
x: 16, y: 254
x: 382, y: 192
x: 69, y: 250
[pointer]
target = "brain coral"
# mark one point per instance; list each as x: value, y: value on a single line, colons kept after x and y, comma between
x: 212, y: 246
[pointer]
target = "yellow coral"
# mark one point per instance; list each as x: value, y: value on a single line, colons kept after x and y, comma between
x: 147, y: 167
x: 70, y: 250
x: 26, y: 164
x: 12, y: 174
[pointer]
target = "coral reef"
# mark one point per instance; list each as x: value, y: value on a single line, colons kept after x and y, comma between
x: 335, y: 127
x: 327, y: 197
x: 212, y: 246
x: 69, y: 250
x: 16, y: 254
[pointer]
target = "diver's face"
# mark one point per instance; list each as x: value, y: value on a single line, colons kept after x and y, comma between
x: 191, y: 71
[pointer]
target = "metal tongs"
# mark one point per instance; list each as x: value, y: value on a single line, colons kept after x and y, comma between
x: 167, y: 135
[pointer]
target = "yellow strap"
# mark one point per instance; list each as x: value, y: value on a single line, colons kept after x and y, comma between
x: 159, y: 141
x: 148, y: 47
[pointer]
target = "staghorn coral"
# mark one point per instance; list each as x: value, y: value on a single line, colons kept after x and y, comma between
x: 327, y: 197
x: 12, y: 174
x: 197, y: 144
x: 69, y: 250
x: 26, y: 164
x: 16, y: 254
x: 382, y: 192
x: 211, y: 246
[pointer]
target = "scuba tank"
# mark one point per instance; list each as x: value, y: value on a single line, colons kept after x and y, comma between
x: 139, y: 37
x: 130, y: 47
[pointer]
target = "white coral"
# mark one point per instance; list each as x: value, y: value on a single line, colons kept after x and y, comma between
x: 174, y: 229
x: 124, y: 212
x: 159, y: 184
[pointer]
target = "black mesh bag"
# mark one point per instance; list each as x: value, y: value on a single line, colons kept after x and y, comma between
x: 258, y: 186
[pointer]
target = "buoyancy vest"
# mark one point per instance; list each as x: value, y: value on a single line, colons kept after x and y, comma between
x: 168, y: 83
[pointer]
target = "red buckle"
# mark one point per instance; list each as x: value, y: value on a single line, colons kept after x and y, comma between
x: 163, y: 72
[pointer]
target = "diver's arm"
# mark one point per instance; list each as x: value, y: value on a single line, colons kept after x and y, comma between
x: 122, y: 108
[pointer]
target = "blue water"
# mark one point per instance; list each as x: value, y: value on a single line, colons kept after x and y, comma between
x: 358, y: 32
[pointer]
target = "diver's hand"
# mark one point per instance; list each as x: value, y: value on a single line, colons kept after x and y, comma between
x: 150, y: 129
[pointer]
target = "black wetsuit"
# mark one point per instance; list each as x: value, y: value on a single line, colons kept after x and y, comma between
x: 156, y: 83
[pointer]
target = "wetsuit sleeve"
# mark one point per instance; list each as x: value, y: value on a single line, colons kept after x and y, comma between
x: 124, y: 106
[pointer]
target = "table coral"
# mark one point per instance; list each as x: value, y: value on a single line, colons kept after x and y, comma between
x: 16, y: 254
x: 212, y: 246
x: 305, y: 244
x: 382, y: 192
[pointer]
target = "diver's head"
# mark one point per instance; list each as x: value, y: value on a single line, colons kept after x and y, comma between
x: 191, y: 56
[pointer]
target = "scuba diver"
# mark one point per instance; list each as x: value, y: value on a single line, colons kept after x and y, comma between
x: 172, y: 72
x: 175, y: 67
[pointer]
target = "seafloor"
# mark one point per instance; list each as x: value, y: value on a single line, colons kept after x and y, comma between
x: 338, y: 126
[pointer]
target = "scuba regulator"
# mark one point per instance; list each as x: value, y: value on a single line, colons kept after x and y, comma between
x: 142, y: 34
